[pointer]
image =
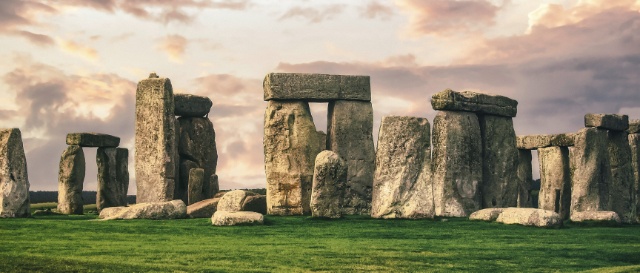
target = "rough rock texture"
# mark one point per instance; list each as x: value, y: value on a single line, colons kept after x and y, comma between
x: 490, y: 214
x: 634, y: 143
x: 402, y: 186
x: 234, y: 200
x: 196, y: 177
x: 634, y: 126
x: 474, y: 102
x: 215, y: 186
x: 457, y: 163
x: 590, y: 171
x: 350, y: 134
x: 233, y: 218
x: 113, y: 177
x: 500, y: 162
x: 197, y: 149
x: 155, y: 144
x: 555, y: 180
x: 532, y: 142
x: 92, y: 140
x: 290, y: 148
x: 71, y: 180
x: 607, y: 121
x: 175, y: 209
x: 595, y: 216
x: 329, y: 179
x: 203, y: 209
x: 530, y: 217
x: 622, y: 189
x: 14, y: 181
x: 255, y: 203
x: 525, y: 179
x: 316, y: 87
x: 187, y: 105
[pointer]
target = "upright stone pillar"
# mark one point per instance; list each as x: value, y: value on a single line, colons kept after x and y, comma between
x: 113, y: 177
x: 622, y: 191
x: 329, y: 179
x: 350, y: 126
x: 155, y: 143
x: 500, y: 162
x: 634, y: 143
x: 70, y: 180
x: 14, y: 181
x: 555, y: 180
x: 290, y: 148
x: 196, y: 180
x: 525, y: 179
x: 457, y: 163
x: 197, y: 150
x: 590, y: 171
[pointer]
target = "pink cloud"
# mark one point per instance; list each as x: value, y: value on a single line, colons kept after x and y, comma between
x: 313, y: 15
x: 447, y: 17
x: 375, y: 10
x: 174, y: 46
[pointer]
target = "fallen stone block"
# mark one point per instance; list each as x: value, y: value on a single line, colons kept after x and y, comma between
x: 607, y: 121
x: 255, y: 203
x: 595, y: 216
x: 530, y: 217
x: 489, y: 215
x: 329, y: 179
x: 316, y: 87
x: 474, y: 102
x: 532, y: 142
x: 203, y: 209
x: 234, y: 200
x: 175, y: 209
x: 234, y: 218
x: 92, y: 140
x: 187, y: 105
x: 14, y: 181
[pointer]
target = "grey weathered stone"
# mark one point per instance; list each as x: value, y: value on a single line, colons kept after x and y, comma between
x: 457, y: 163
x: 607, y: 121
x: 215, y: 186
x: 634, y: 143
x: 187, y: 105
x: 112, y: 189
x: 595, y: 216
x: 156, y: 151
x: 489, y: 215
x: 322, y: 140
x: 197, y: 145
x: 233, y: 218
x: 590, y: 171
x: 316, y: 87
x: 350, y: 134
x: 329, y: 179
x: 525, y: 179
x: 203, y: 209
x: 234, y: 200
x: 622, y: 191
x: 634, y: 126
x: 290, y: 148
x: 175, y: 209
x: 474, y: 102
x: 255, y: 203
x: 555, y: 180
x: 530, y: 217
x: 70, y: 180
x: 14, y: 181
x: 400, y: 188
x: 500, y: 162
x: 181, y: 191
x: 196, y: 178
x: 92, y: 140
x: 532, y: 142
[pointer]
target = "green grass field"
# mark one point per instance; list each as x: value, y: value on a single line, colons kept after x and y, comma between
x: 295, y: 244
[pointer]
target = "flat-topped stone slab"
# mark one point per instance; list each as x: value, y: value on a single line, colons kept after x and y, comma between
x: 234, y: 218
x: 533, y: 142
x: 607, y: 121
x: 187, y: 105
x: 529, y: 217
x: 316, y: 87
x: 92, y: 140
x: 634, y: 126
x: 595, y: 216
x: 474, y: 102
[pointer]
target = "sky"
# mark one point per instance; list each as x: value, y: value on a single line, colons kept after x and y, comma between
x: 72, y: 66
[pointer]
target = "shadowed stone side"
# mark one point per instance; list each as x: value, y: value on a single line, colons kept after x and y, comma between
x: 350, y: 134
x: 329, y: 179
x: 607, y: 121
x: 525, y: 179
x: 290, y: 147
x: 92, y: 140
x: 112, y: 183
x: 156, y: 152
x: 197, y: 149
x: 634, y: 143
x: 187, y: 105
x: 457, y: 163
x: 196, y: 178
x: 70, y: 180
x: 555, y: 180
x: 316, y: 87
x: 474, y: 102
x: 590, y: 171
x: 402, y: 185
x: 500, y: 162
x: 14, y: 181
x: 622, y: 190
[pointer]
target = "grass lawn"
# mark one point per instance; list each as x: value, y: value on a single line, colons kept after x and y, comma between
x: 293, y: 244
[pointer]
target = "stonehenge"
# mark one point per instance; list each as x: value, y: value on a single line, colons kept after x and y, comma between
x: 329, y: 180
x: 14, y: 181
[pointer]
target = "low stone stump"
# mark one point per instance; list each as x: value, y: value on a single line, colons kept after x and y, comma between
x: 175, y: 209
x: 234, y: 200
x: 489, y: 215
x: 187, y: 105
x: 329, y: 179
x: 93, y: 140
x: 530, y: 217
x: 234, y: 218
x: 595, y: 216
x: 203, y: 209
x: 607, y: 121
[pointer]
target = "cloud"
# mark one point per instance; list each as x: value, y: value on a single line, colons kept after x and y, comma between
x: 375, y: 10
x: 447, y: 17
x: 174, y: 46
x: 35, y: 38
x: 550, y: 15
x: 78, y: 49
x: 313, y: 15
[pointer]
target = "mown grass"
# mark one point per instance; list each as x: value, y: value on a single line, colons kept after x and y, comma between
x: 299, y: 244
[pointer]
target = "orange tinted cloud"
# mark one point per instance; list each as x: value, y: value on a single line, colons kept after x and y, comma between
x: 447, y: 17
x: 78, y: 49
x: 174, y: 46
x: 313, y: 15
x: 555, y: 15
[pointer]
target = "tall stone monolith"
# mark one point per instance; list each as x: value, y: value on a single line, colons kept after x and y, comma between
x: 329, y: 180
x: 555, y: 180
x: 196, y: 181
x: 290, y: 147
x: 500, y: 162
x: 14, y: 181
x: 113, y: 175
x: 70, y: 180
x: 634, y: 143
x: 622, y: 190
x: 402, y: 185
x: 457, y: 163
x: 350, y: 134
x: 156, y: 153
x: 525, y: 179
x: 197, y: 144
x: 590, y: 171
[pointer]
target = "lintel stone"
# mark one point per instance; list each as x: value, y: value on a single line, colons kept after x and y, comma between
x: 474, y: 102
x: 316, y: 87
x: 607, y: 121
x: 92, y: 140
x: 187, y: 105
x: 533, y: 142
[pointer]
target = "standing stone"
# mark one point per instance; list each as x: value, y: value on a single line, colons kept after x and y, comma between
x: 634, y: 143
x: 457, y: 163
x: 622, y: 190
x: 403, y: 154
x: 350, y: 134
x: 70, y: 180
x: 525, y: 179
x: 215, y: 187
x: 196, y: 178
x: 290, y: 148
x: 555, y: 180
x: 156, y: 152
x: 14, y: 181
x: 198, y: 145
x: 180, y: 187
x: 112, y: 186
x: 500, y: 162
x: 329, y: 179
x: 590, y: 171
